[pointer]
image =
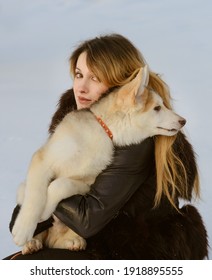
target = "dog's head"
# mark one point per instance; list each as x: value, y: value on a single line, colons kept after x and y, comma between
x: 146, y: 108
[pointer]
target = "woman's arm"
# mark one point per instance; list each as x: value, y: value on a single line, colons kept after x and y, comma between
x: 88, y: 214
x: 112, y: 189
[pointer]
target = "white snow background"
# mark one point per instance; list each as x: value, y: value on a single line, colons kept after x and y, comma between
x: 36, y: 40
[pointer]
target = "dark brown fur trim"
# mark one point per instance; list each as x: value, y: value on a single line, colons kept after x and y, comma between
x: 174, y: 237
x: 65, y: 105
x: 185, y: 152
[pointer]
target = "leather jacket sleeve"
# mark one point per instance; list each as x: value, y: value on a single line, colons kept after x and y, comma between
x: 88, y: 214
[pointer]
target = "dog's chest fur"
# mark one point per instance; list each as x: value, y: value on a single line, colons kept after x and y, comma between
x: 79, y: 147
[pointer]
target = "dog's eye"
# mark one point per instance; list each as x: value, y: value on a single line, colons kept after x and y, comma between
x: 157, y: 108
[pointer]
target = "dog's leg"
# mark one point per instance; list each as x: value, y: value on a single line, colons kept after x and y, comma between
x: 34, y: 200
x: 71, y: 241
x: 20, y: 193
x: 60, y: 189
x: 35, y: 244
x: 60, y: 236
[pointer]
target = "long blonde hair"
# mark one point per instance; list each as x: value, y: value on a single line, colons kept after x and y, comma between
x: 113, y: 59
x: 170, y: 170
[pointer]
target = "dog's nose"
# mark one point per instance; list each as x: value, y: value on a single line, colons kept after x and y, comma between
x: 182, y: 122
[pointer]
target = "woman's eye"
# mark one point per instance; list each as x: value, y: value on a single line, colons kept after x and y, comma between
x: 94, y: 78
x: 78, y: 75
x: 157, y: 108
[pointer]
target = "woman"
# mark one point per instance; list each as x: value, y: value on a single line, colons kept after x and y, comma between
x: 132, y: 210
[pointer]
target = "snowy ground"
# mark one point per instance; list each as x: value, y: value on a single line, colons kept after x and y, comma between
x: 37, y: 38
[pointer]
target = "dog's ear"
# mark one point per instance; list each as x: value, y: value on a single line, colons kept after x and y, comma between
x: 135, y: 91
x: 142, y: 82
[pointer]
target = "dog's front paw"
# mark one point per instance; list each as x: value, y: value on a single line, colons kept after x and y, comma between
x: 21, y: 236
x: 22, y: 231
x: 76, y: 244
x: 32, y: 246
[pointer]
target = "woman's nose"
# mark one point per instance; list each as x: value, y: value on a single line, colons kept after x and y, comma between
x: 84, y: 86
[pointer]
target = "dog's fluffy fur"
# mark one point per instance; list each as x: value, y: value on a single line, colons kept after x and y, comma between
x: 132, y: 112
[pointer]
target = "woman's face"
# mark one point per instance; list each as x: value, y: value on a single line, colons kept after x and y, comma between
x: 87, y: 87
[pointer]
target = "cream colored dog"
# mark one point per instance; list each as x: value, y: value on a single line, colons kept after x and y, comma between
x: 78, y: 150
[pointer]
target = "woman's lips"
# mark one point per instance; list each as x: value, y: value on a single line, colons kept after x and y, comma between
x: 83, y: 99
